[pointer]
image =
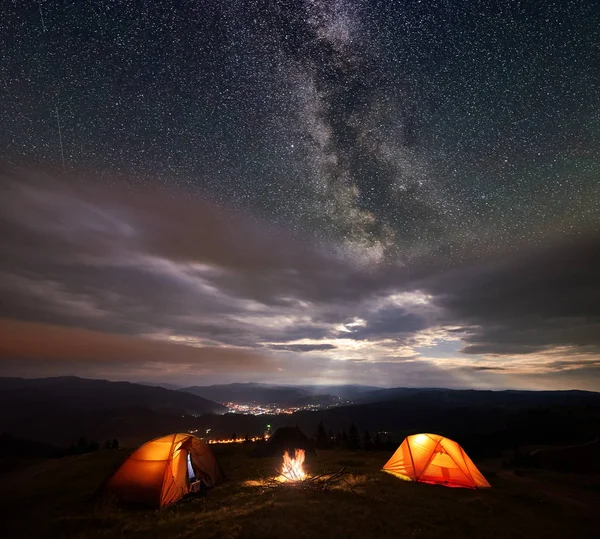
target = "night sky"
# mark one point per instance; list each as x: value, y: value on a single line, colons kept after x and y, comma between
x: 396, y: 193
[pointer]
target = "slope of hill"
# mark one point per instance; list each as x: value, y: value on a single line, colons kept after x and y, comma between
x: 61, y: 409
x: 368, y: 504
x: 12, y: 448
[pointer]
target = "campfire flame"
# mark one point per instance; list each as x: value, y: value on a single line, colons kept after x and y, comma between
x: 292, y: 467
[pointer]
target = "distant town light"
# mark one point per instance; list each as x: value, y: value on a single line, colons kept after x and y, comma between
x: 237, y: 440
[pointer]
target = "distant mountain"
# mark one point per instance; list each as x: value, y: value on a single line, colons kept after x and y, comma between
x: 71, y: 392
x: 249, y: 393
x: 284, y: 395
x: 469, y: 397
x: 320, y: 400
x: 58, y: 410
x: 174, y: 387
x: 350, y: 392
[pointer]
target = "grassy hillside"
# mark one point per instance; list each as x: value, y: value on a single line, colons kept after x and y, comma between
x: 59, y: 494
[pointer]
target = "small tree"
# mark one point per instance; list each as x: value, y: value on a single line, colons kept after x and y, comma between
x: 321, y: 442
x: 353, y: 438
x: 344, y: 440
x: 115, y: 444
x: 377, y: 443
x: 82, y: 445
x: 367, y: 442
x: 390, y: 444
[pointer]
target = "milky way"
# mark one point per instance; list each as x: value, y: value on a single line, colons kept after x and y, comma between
x: 416, y: 162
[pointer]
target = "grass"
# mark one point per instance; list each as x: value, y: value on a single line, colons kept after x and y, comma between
x: 55, y: 498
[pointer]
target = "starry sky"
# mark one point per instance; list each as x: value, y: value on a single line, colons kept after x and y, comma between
x: 395, y: 193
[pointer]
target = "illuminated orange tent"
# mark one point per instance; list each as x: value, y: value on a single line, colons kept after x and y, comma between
x: 163, y: 470
x: 431, y: 458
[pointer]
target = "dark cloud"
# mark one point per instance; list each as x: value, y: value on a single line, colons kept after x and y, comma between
x: 139, y: 262
x: 33, y: 346
x: 51, y: 227
x: 302, y: 347
x: 390, y: 322
x: 296, y: 332
x: 528, y: 303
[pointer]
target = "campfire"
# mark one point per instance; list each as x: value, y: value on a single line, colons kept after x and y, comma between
x: 293, y: 475
x: 292, y: 469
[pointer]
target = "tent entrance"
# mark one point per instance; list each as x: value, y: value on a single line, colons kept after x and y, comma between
x: 194, y: 481
x: 190, y: 469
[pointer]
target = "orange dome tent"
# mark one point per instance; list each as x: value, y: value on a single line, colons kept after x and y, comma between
x: 163, y: 470
x: 431, y: 458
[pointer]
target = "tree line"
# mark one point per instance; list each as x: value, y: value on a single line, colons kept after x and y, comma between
x: 352, y: 440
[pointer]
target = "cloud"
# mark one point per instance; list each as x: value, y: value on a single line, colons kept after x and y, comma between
x: 385, y: 323
x: 152, y: 265
x: 302, y: 347
x: 527, y: 303
x: 46, y: 349
x: 52, y: 227
x: 148, y: 275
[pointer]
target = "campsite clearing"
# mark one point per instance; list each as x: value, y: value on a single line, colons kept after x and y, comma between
x: 55, y: 498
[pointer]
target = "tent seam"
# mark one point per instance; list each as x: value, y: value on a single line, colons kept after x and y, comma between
x: 458, y: 465
x: 430, y: 458
x: 462, y: 454
x: 411, y: 458
x: 168, y: 461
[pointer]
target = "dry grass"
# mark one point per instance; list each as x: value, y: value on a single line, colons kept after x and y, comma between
x: 55, y: 499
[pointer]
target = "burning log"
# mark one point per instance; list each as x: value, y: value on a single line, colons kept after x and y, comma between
x: 292, y: 469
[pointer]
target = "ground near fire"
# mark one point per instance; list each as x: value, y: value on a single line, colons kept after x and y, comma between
x: 58, y: 498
